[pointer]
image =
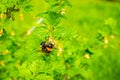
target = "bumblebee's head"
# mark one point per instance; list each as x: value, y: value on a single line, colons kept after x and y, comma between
x: 50, y: 45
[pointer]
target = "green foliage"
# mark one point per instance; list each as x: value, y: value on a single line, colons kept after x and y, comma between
x: 86, y: 40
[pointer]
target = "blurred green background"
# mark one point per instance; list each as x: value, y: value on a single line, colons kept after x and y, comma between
x: 87, y: 17
x: 85, y: 20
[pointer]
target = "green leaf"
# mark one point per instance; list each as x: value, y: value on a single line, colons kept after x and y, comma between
x: 52, y: 2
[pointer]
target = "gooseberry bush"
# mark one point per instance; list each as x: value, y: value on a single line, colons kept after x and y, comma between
x: 23, y: 30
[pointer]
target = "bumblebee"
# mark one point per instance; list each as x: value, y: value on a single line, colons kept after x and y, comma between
x: 47, y: 47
